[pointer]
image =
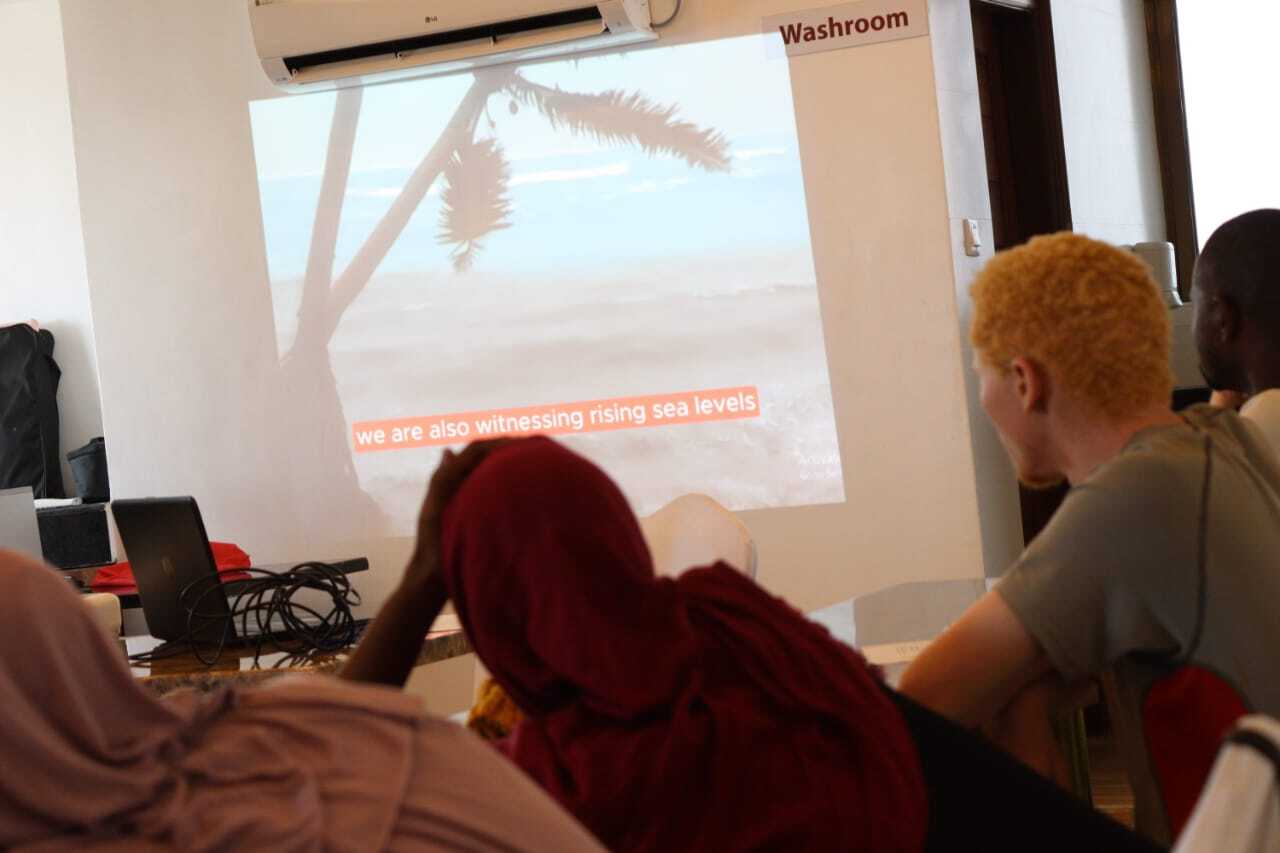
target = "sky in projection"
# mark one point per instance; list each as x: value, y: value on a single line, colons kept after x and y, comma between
x: 572, y: 198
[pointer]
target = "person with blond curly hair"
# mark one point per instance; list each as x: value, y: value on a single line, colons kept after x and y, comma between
x: 1158, y: 571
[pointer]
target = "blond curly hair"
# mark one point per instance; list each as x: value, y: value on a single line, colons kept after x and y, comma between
x: 1087, y: 312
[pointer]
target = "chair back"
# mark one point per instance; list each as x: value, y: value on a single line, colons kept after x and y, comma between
x: 694, y: 530
x: 1239, y: 809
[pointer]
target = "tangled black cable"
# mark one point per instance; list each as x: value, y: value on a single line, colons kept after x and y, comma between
x: 265, y: 615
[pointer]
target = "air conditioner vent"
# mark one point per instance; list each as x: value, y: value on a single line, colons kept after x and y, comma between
x: 571, y: 17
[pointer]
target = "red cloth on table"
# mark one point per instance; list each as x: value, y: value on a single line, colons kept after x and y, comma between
x: 699, y: 713
x: 230, y: 560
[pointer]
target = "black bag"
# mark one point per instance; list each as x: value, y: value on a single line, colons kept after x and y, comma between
x: 89, y: 471
x: 29, y: 412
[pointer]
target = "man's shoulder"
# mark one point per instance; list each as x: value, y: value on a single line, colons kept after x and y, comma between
x: 1160, y: 476
x: 1231, y: 427
x: 1145, y: 498
x: 1251, y: 438
x: 1264, y: 404
x: 1160, y: 468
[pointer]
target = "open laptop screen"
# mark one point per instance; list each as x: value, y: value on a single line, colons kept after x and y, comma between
x: 166, y: 543
x: 18, y: 528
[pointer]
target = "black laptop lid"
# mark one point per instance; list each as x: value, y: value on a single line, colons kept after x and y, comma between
x: 169, y: 551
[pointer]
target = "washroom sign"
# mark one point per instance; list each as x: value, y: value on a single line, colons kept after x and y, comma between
x: 848, y: 25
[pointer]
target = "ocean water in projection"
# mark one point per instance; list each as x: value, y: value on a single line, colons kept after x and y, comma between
x: 615, y: 248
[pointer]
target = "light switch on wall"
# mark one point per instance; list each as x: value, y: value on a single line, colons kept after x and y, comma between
x: 972, y: 238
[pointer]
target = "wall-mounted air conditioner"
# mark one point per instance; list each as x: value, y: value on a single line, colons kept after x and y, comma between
x: 324, y: 44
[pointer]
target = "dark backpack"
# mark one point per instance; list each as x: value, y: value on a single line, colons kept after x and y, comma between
x: 29, y: 412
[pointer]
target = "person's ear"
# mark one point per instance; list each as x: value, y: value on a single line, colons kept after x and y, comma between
x: 1031, y: 384
x: 1227, y: 318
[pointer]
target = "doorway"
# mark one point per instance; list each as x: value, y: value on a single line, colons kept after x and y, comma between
x: 1026, y: 159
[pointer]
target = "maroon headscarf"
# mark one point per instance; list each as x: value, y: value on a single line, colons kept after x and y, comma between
x: 698, y: 713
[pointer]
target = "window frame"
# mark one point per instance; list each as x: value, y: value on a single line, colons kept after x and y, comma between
x: 1169, y: 103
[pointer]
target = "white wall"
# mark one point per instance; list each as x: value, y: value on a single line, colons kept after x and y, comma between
x: 964, y: 155
x: 176, y: 261
x: 42, y: 267
x: 178, y: 275
x: 869, y: 132
x: 1108, y: 122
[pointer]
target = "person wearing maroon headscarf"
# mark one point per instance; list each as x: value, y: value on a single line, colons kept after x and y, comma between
x: 696, y: 713
x: 691, y: 714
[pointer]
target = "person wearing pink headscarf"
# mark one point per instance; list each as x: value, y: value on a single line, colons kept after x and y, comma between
x: 89, y: 760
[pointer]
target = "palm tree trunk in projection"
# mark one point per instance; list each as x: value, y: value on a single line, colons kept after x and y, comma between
x: 460, y: 128
x: 326, y: 488
x: 321, y: 476
x: 312, y: 313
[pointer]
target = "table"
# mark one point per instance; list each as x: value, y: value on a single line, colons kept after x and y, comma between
x: 129, y: 598
x: 892, y: 625
x: 235, y: 666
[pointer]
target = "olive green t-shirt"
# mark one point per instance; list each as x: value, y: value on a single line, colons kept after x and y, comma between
x: 1113, y: 584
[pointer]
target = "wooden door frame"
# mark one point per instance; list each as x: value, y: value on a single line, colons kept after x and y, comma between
x: 1036, y: 507
x: 1169, y: 103
x: 1050, y: 97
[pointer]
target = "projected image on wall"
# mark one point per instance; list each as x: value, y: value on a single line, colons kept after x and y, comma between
x: 611, y: 249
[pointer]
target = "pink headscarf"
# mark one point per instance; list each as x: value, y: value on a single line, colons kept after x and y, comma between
x: 88, y: 757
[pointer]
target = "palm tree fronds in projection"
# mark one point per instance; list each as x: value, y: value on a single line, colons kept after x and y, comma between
x: 475, y: 199
x: 615, y: 117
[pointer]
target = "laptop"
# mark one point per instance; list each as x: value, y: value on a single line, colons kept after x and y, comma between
x: 169, y: 551
x: 19, y: 530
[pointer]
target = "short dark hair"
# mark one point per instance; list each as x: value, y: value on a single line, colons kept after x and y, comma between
x: 1241, y: 260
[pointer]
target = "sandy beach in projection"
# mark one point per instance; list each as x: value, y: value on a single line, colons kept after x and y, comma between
x: 415, y: 347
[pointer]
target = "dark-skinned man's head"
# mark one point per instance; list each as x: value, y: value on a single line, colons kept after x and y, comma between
x: 1236, y: 293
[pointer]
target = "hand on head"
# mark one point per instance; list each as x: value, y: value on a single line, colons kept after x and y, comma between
x: 389, y: 650
x: 452, y: 472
